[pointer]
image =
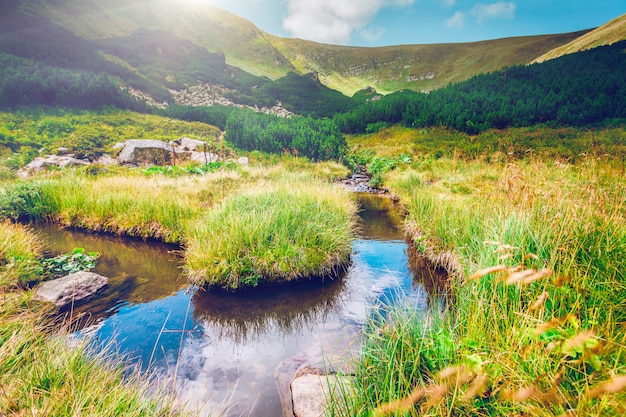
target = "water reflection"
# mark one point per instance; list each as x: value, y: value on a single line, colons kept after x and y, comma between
x: 138, y: 271
x: 243, y: 349
x: 242, y: 317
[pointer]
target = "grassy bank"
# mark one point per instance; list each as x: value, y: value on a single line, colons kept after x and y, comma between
x: 87, y: 132
x: 19, y: 252
x: 536, y: 324
x: 273, y: 233
x: 302, y: 227
x: 40, y: 372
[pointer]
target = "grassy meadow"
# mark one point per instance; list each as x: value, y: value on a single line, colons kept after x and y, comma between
x: 257, y: 213
x: 528, y: 222
x: 535, y: 244
x: 29, y: 133
x: 42, y: 374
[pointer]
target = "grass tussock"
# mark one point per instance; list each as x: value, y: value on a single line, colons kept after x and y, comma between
x: 539, y: 292
x: 19, y: 251
x: 296, y: 232
x: 42, y: 374
x: 276, y: 232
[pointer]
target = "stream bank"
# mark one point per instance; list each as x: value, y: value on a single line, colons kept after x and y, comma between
x: 240, y: 349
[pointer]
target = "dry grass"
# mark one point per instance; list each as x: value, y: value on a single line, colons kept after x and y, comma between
x: 537, y: 247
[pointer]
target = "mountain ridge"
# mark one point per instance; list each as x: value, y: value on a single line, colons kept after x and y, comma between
x: 607, y: 34
x: 198, y: 40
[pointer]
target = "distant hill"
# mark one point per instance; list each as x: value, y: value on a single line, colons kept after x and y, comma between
x: 163, y: 45
x: 414, y: 67
x: 607, y: 34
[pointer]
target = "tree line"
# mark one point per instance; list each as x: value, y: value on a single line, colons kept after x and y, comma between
x: 26, y: 83
x: 576, y: 89
x: 318, y: 139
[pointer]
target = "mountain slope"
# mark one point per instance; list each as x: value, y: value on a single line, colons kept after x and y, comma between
x: 607, y: 34
x: 193, y: 29
x: 216, y: 30
x: 414, y: 67
x: 347, y: 69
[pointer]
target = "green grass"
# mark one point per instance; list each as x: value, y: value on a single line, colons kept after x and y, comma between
x: 45, y: 375
x: 88, y: 132
x: 565, y: 144
x: 273, y: 233
x: 19, y: 250
x: 41, y: 373
x: 543, y: 334
x: 312, y: 236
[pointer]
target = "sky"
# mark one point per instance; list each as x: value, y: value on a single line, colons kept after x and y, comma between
x: 395, y: 22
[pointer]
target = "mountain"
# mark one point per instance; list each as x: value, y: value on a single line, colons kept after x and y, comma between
x: 607, y: 34
x: 189, y: 47
x: 414, y: 67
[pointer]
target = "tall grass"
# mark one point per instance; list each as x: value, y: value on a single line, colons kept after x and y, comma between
x: 19, y: 251
x: 157, y: 207
x: 539, y: 289
x: 45, y: 375
x: 276, y: 232
x: 41, y: 373
x: 302, y: 225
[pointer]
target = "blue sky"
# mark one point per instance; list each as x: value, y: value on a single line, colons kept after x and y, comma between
x: 393, y: 22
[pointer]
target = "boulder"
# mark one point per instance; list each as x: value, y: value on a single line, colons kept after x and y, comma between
x: 189, y: 144
x: 243, y: 160
x: 41, y: 163
x: 203, y: 158
x: 71, y: 288
x: 310, y: 393
x: 146, y: 152
x: 105, y: 160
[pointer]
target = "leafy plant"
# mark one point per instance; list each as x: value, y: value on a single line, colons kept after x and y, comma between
x: 69, y: 263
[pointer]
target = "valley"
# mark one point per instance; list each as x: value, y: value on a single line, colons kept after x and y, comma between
x: 207, y: 169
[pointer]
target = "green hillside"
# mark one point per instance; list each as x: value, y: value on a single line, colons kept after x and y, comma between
x: 165, y: 44
x: 244, y: 45
x: 347, y: 69
x: 414, y: 67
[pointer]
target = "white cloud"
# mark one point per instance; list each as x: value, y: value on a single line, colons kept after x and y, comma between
x: 457, y: 21
x: 500, y: 10
x: 449, y: 3
x: 372, y: 34
x: 333, y: 21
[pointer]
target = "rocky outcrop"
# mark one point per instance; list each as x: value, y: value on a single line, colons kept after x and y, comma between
x: 203, y: 94
x: 189, y: 144
x: 71, y: 288
x: 135, y: 152
x: 41, y: 163
x: 146, y: 152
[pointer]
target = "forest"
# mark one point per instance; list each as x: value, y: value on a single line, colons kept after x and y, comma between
x: 317, y: 139
x: 576, y: 89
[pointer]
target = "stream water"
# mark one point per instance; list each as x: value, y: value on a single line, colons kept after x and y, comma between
x: 240, y: 351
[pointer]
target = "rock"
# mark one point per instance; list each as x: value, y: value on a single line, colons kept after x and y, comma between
x: 105, y: 160
x: 310, y: 393
x: 189, y: 144
x: 41, y: 163
x: 71, y: 288
x: 146, y: 151
x: 62, y: 150
x: 243, y: 160
x: 203, y: 158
